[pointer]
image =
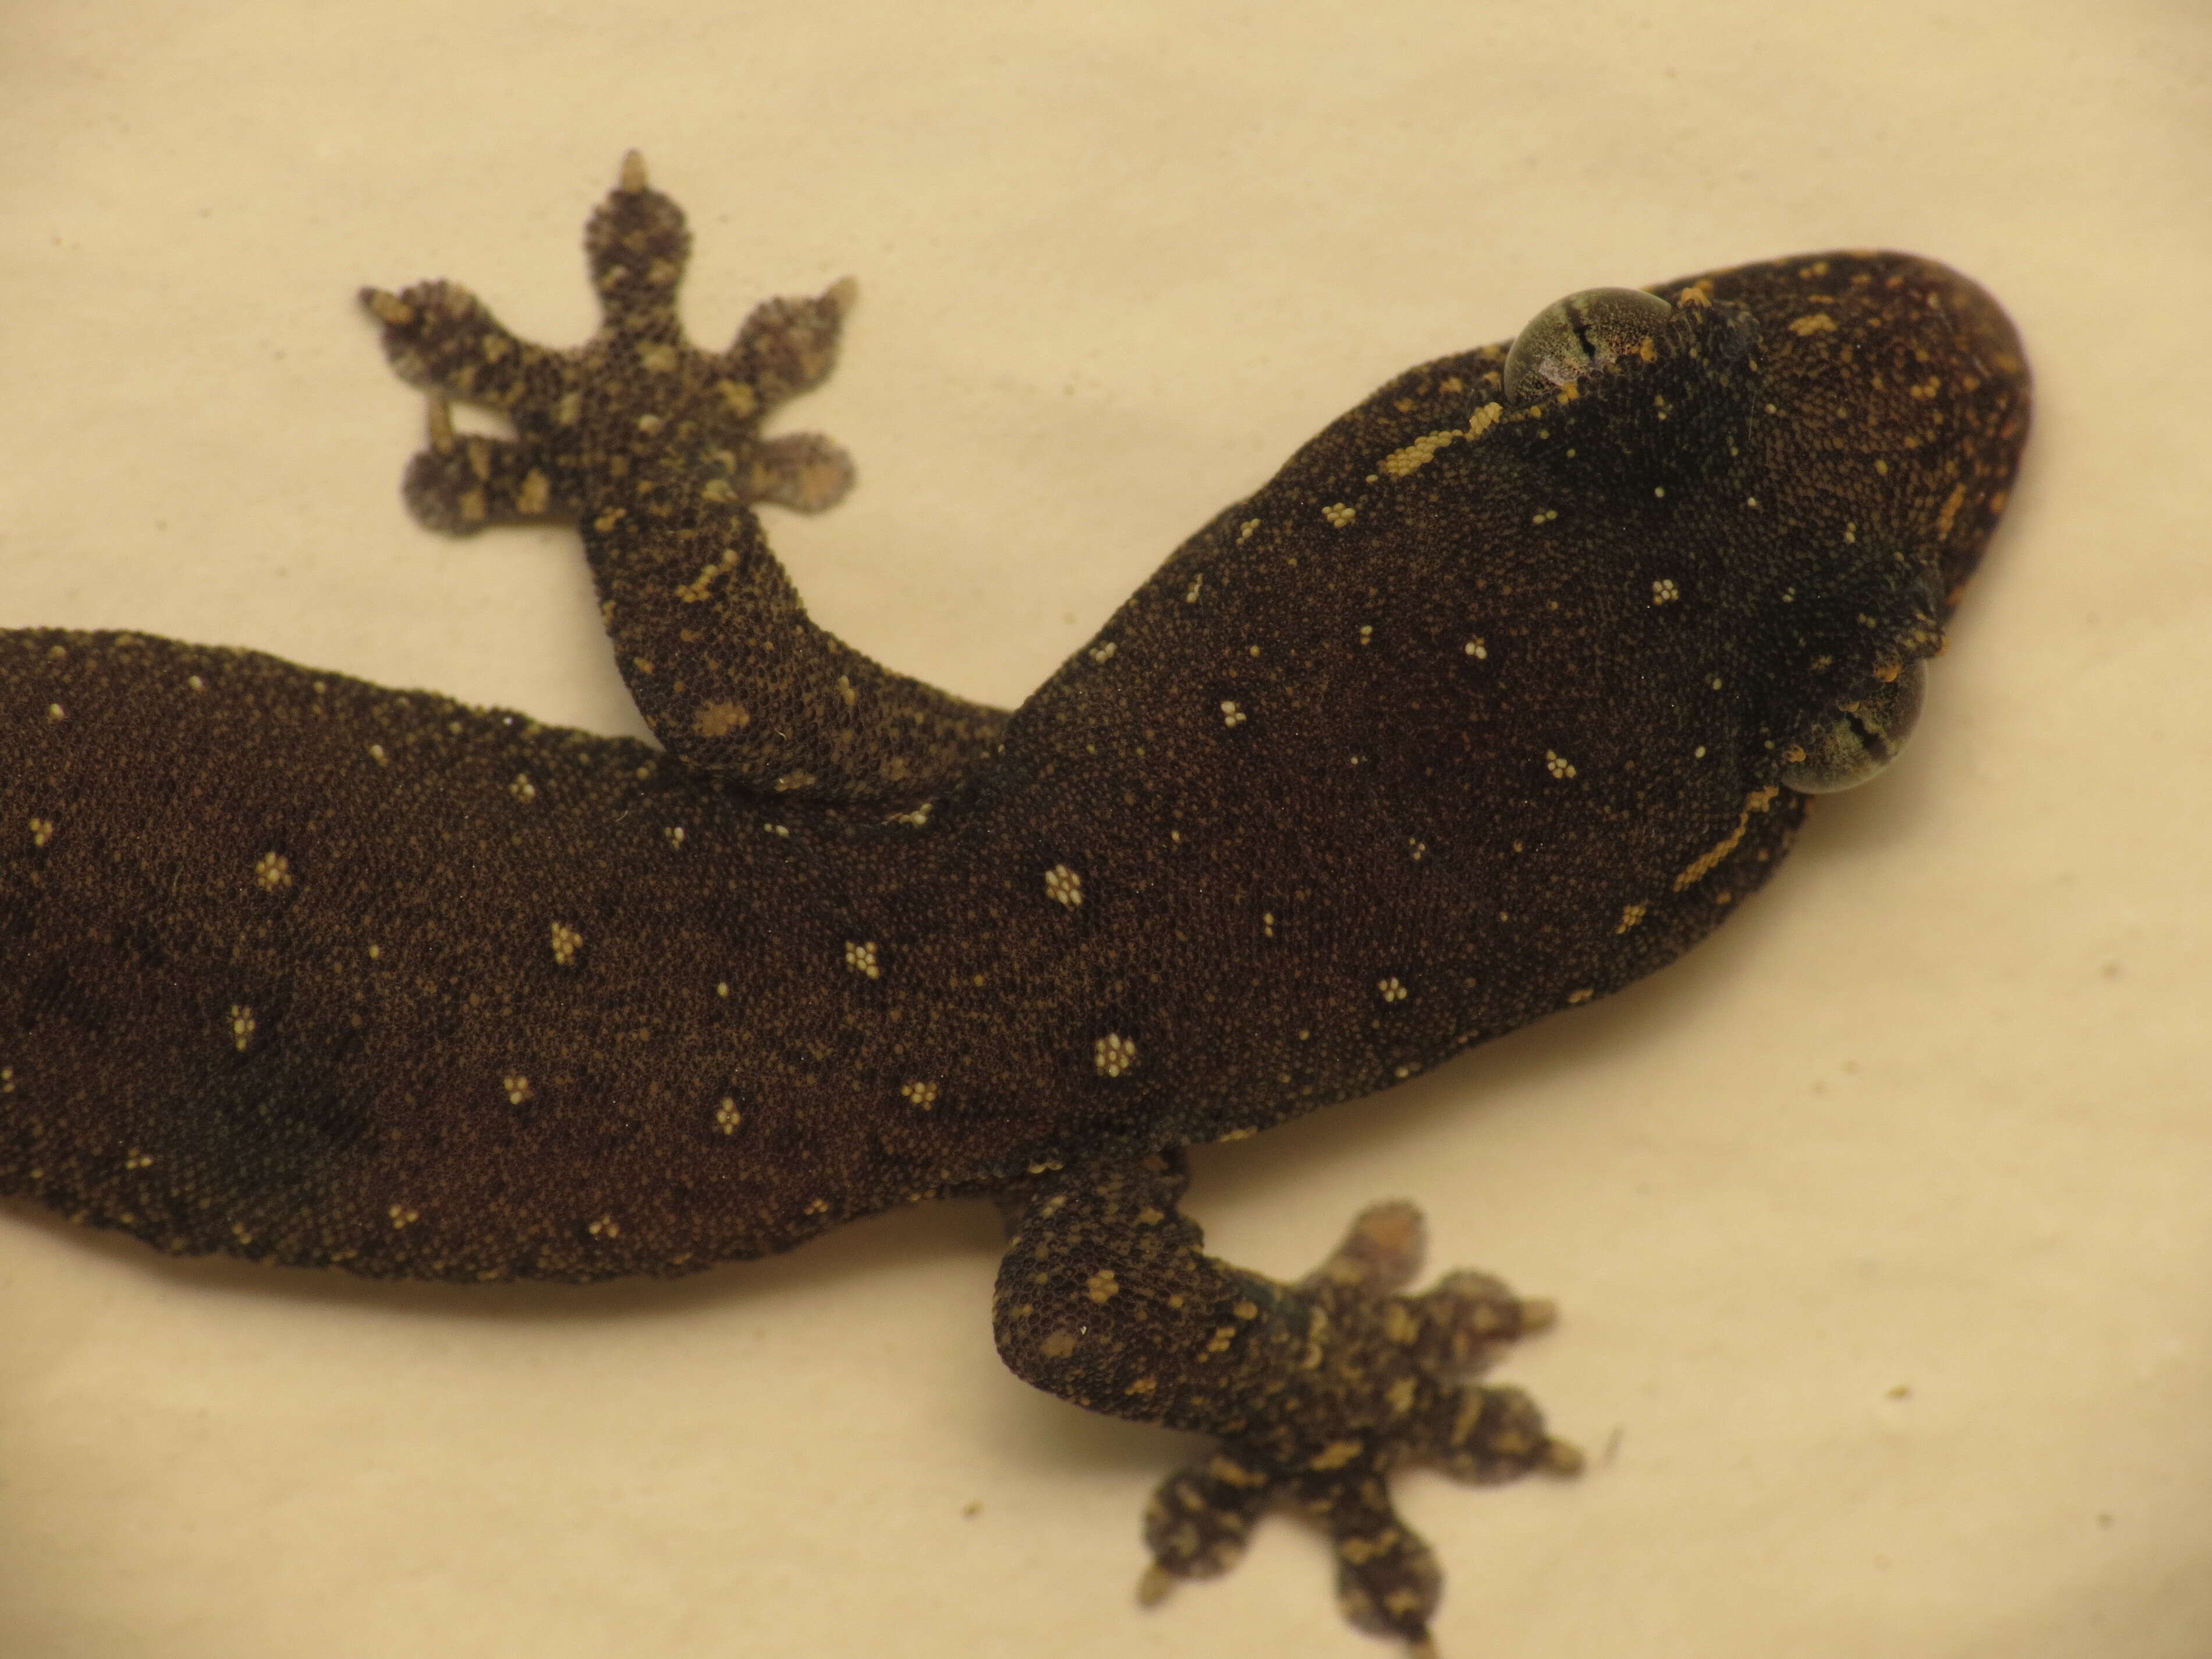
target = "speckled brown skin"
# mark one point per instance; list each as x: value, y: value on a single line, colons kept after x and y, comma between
x: 1473, y: 712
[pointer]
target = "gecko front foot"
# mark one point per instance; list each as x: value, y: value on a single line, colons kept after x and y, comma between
x: 1388, y: 1381
x: 655, y: 448
x: 1317, y: 1389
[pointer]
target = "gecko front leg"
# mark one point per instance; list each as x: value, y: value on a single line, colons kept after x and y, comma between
x: 1318, y: 1389
x: 655, y: 448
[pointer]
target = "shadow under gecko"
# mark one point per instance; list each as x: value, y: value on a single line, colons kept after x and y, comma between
x: 1503, y: 693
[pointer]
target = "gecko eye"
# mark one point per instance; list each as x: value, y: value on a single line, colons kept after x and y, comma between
x: 1861, y: 738
x: 1573, y: 336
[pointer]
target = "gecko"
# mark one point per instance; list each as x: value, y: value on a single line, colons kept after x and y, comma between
x: 1512, y: 684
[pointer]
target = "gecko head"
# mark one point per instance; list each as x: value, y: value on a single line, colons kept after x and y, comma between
x: 1817, y: 449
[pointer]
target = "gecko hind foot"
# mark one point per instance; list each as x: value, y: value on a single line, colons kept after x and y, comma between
x: 1390, y: 1388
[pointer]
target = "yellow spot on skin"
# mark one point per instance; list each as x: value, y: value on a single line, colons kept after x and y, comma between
x: 1190, y: 593
x: 1102, y: 1286
x: 817, y: 1207
x: 656, y: 357
x: 1477, y: 649
x: 1143, y: 1385
x: 376, y: 753
x: 273, y: 871
x: 720, y: 718
x: 727, y: 1117
x: 1630, y: 915
x: 1574, y: 996
x: 1244, y: 531
x: 1393, y: 989
x: 517, y: 1087
x: 675, y: 834
x: 401, y: 1215
x: 1400, y: 1396
x: 1335, y: 1454
x: 923, y: 1095
x: 138, y: 1160
x: 6, y: 1079
x: 1064, y: 886
x: 1102, y: 652
x: 56, y: 712
x: 1338, y: 514
x: 1232, y: 715
x: 566, y: 941
x: 42, y: 831
x: 1559, y: 765
x: 1663, y: 592
x: 604, y: 1227
x: 522, y: 789
x: 241, y: 1025
x: 1057, y: 1345
x: 861, y: 959
x: 1114, y: 1054
x: 195, y: 683
x: 535, y: 492
x: 1952, y: 503
x: 1818, y: 323
x: 1757, y: 801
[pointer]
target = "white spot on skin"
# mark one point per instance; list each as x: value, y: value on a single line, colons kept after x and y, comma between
x: 1232, y: 715
x: 1190, y: 593
x: 861, y: 959
x: 1558, y: 765
x: 241, y: 1025
x: 566, y: 941
x: 1244, y: 531
x: 922, y: 1094
x: 1102, y: 652
x: 1114, y: 1054
x: 273, y: 871
x: 1393, y: 989
x: 727, y: 1117
x: 1063, y: 886
x: 1663, y: 592
x: 516, y: 1087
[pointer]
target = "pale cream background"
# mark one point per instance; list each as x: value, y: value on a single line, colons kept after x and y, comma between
x: 1880, y: 1224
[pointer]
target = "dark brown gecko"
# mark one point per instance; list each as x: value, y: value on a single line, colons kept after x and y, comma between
x: 1504, y: 692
